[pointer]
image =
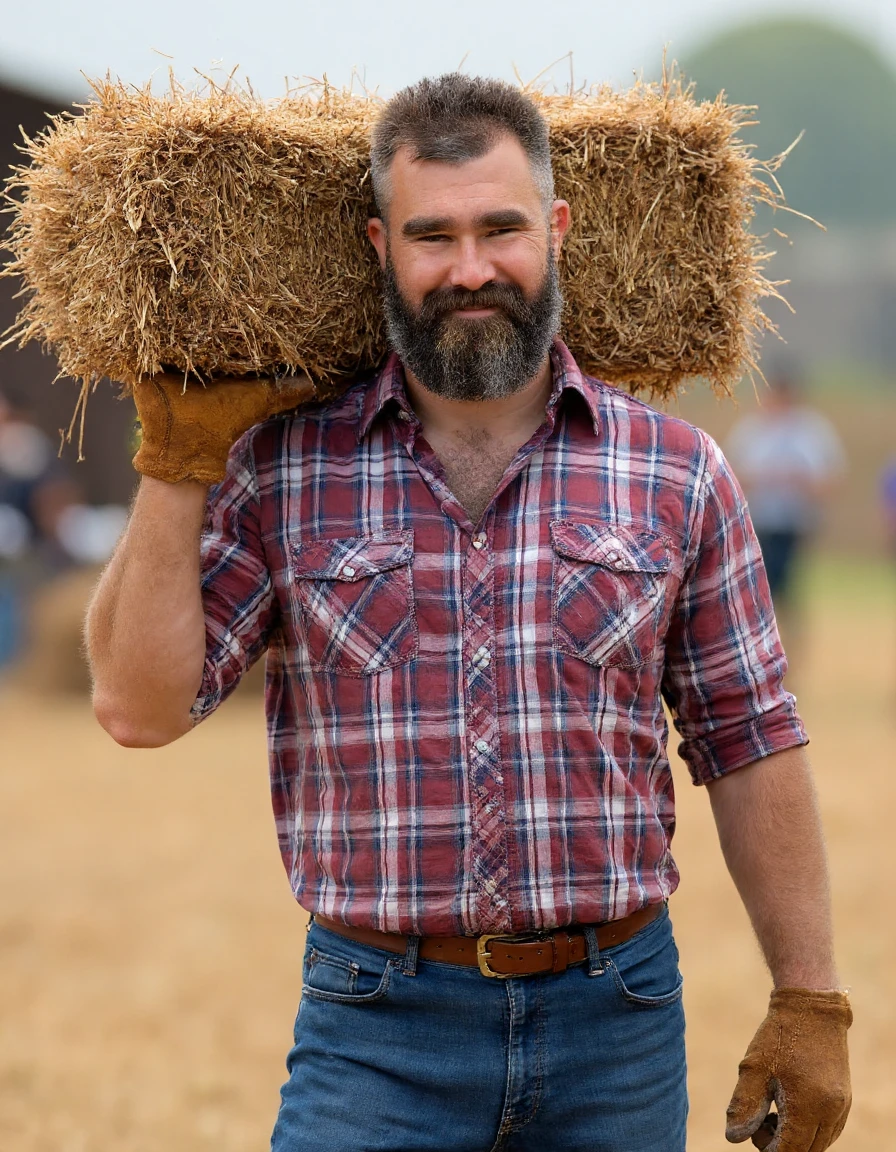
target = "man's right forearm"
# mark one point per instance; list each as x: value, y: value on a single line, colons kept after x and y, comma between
x: 145, y: 624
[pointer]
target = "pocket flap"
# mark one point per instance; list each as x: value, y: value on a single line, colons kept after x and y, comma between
x: 612, y: 546
x: 352, y: 557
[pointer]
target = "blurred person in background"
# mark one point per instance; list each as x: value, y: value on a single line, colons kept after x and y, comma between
x: 888, y: 496
x: 46, y: 528
x: 789, y: 458
x: 888, y: 500
x: 33, y: 490
x: 34, y: 485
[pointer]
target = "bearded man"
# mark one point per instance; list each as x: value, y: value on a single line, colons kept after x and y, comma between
x: 476, y: 576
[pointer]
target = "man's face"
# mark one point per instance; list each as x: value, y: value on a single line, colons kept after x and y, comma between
x: 470, y: 280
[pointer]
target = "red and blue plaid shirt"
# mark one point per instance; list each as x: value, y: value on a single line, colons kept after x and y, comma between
x: 466, y: 722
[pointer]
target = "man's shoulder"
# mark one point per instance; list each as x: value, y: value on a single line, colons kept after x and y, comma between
x: 635, y: 422
x: 338, y: 413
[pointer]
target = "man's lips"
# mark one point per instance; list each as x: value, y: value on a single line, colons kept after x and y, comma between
x: 474, y: 313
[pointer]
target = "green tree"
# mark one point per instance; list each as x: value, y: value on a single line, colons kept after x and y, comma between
x: 809, y: 76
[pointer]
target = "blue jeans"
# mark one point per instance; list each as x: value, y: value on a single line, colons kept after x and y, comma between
x: 779, y: 554
x: 400, y: 1054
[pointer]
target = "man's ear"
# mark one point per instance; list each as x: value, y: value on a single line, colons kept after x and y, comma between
x: 376, y: 233
x: 559, y: 224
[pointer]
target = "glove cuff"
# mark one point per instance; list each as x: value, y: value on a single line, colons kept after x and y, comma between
x: 172, y: 471
x: 833, y: 1002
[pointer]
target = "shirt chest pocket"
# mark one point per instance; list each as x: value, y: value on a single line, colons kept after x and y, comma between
x: 356, y: 599
x: 609, y: 593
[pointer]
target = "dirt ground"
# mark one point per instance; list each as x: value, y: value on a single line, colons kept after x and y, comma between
x: 150, y: 950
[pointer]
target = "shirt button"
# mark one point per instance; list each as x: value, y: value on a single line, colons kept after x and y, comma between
x: 477, y: 544
x: 481, y: 657
x: 406, y: 416
x: 619, y: 564
x: 347, y: 570
x: 482, y: 746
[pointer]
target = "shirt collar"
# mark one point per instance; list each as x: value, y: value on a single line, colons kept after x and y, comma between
x: 389, y: 386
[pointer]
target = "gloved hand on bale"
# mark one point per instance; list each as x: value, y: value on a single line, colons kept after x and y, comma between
x: 188, y: 431
x: 798, y: 1059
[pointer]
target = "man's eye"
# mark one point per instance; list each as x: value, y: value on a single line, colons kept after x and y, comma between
x: 502, y: 231
x: 434, y: 239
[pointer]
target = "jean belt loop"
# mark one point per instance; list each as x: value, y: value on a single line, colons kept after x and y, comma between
x: 409, y: 964
x: 595, y: 964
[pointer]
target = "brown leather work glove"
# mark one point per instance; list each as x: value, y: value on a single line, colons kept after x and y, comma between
x: 188, y: 432
x: 798, y: 1058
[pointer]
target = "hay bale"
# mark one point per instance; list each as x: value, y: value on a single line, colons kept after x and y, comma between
x: 220, y: 234
x: 663, y: 280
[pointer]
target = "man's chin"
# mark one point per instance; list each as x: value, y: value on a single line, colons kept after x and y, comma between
x: 474, y: 334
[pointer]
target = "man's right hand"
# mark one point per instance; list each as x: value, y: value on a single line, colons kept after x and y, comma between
x: 188, y: 431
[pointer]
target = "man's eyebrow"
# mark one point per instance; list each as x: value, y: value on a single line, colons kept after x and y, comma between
x: 498, y: 218
x: 502, y: 218
x: 423, y: 225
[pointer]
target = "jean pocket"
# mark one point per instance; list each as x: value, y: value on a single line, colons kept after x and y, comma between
x: 640, y: 1000
x: 337, y: 980
x: 356, y: 600
x: 330, y: 974
x: 609, y: 592
x: 645, y: 970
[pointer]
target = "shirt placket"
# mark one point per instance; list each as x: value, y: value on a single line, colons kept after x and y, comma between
x: 487, y: 797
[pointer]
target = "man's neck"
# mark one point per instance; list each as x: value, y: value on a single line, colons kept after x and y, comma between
x: 509, y: 418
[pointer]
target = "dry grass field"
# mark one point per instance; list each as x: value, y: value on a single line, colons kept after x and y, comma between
x: 150, y: 950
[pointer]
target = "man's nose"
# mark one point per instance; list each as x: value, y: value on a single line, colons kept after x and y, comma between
x: 471, y: 268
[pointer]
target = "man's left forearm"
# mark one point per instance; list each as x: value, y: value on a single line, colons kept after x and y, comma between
x: 770, y: 832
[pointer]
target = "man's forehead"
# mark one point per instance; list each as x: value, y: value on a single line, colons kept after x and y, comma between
x: 500, y: 178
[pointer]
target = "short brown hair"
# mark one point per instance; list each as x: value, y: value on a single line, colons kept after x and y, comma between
x: 455, y: 118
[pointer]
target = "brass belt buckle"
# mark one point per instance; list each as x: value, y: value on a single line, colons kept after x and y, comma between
x: 483, y: 956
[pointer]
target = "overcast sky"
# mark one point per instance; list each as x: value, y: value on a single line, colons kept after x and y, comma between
x: 44, y: 44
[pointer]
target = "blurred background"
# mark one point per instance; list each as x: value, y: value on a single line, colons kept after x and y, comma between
x: 149, y: 948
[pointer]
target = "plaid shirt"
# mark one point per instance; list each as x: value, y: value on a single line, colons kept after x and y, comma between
x: 466, y: 725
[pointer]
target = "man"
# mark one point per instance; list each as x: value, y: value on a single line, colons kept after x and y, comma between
x: 474, y: 576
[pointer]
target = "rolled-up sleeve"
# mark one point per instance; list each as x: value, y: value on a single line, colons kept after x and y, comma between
x: 724, y: 661
x: 237, y: 589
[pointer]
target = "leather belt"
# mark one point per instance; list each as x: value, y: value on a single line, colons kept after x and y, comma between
x: 504, y: 955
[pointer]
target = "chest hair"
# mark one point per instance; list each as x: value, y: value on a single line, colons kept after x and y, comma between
x: 474, y: 466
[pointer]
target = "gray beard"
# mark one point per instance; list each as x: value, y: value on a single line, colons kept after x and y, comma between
x: 486, y: 359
